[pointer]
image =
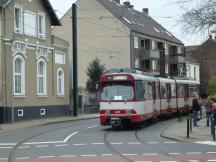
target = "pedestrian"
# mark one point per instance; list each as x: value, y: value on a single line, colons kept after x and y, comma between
x: 196, y: 109
x: 208, y: 105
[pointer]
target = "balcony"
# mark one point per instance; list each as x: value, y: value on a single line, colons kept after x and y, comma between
x: 177, y: 59
x: 148, y: 54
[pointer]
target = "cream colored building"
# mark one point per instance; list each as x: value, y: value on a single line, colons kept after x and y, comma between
x: 121, y: 37
x: 33, y: 62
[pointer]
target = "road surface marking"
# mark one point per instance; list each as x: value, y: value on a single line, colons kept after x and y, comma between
x: 67, y: 156
x: 61, y: 145
x: 169, y: 142
x: 97, y: 143
x: 212, y: 160
x: 143, y: 161
x: 174, y: 153
x: 6, y: 147
x: 153, y: 142
x: 118, y: 143
x: 206, y: 142
x: 22, y: 158
x: 90, y: 155
x: 193, y: 160
x: 79, y: 144
x: 24, y: 147
x: 167, y: 161
x: 91, y: 126
x: 134, y: 143
x: 68, y: 137
x: 41, y: 146
x: 193, y: 153
x: 3, y: 158
x: 150, y: 154
x: 129, y: 154
x: 8, y: 144
x: 106, y: 154
x: 211, y: 152
x: 44, y: 157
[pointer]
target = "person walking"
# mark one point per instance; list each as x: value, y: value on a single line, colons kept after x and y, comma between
x: 208, y: 105
x: 196, y: 109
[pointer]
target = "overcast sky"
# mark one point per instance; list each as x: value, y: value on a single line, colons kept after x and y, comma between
x: 163, y: 11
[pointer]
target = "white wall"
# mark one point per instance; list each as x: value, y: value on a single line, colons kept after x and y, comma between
x: 193, y: 71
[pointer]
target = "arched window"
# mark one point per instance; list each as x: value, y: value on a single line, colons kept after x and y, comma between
x: 18, y: 76
x: 60, y: 82
x: 41, y: 77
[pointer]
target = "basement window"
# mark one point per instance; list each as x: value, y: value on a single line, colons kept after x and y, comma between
x: 20, y: 113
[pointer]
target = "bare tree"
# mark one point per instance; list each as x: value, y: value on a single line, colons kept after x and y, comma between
x: 199, y: 16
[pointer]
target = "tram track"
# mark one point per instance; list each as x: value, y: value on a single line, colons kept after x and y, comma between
x: 11, y: 157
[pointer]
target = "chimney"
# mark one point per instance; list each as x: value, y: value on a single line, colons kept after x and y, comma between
x: 146, y: 11
x: 127, y: 4
x: 117, y: 1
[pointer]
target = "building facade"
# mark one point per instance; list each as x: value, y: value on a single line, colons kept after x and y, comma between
x: 33, y: 62
x: 122, y: 37
x: 192, y: 63
x: 206, y: 55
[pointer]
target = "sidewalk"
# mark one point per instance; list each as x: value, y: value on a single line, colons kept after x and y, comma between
x: 32, y: 123
x: 178, y: 131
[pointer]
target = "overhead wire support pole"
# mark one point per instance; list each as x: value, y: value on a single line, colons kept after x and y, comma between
x: 74, y: 33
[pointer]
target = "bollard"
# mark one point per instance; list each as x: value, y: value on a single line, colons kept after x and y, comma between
x: 191, y: 122
x: 188, y: 125
x: 213, y: 128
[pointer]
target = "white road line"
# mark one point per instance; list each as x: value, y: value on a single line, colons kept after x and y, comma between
x: 153, y: 142
x: 212, y: 160
x: 106, y: 154
x: 117, y: 143
x: 50, y: 142
x: 90, y: 155
x: 134, y: 143
x: 67, y: 156
x: 167, y: 161
x: 3, y: 158
x: 6, y: 147
x: 150, y: 154
x: 24, y: 147
x: 193, y: 153
x: 97, y: 143
x: 193, y: 160
x: 143, y: 161
x: 206, y: 142
x: 42, y: 146
x: 68, y: 137
x: 174, y: 153
x: 61, y: 145
x: 211, y: 152
x: 91, y: 126
x: 8, y: 144
x: 79, y: 144
x: 44, y: 157
x: 129, y: 154
x: 22, y: 158
x: 170, y: 142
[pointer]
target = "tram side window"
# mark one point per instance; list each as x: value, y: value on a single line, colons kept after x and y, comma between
x: 148, y: 91
x: 164, y: 90
x: 139, y: 90
x: 173, y: 90
x: 180, y: 91
x: 193, y: 90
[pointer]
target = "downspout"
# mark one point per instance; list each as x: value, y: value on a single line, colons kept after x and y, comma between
x: 131, y: 52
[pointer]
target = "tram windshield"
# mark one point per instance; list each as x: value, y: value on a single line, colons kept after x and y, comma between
x: 117, y: 91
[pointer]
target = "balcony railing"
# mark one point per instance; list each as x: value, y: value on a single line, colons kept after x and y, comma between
x: 177, y: 59
x: 148, y: 54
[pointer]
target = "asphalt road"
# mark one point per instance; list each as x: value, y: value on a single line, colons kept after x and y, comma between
x: 87, y: 141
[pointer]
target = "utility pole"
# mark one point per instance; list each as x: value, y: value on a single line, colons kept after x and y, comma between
x: 74, y: 33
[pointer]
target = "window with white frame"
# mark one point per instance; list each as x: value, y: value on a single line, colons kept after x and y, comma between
x: 60, y: 82
x: 18, y: 19
x: 179, y: 50
x: 59, y: 58
x: 154, y: 64
x: 41, y: 77
x: 19, y: 76
x: 41, y: 25
x: 166, y: 49
x: 153, y: 45
x: 166, y: 68
x: 30, y: 23
x: 136, y: 42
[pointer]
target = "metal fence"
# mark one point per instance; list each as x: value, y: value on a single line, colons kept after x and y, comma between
x: 88, y: 103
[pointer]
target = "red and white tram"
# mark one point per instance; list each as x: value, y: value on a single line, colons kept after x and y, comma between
x: 131, y: 97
